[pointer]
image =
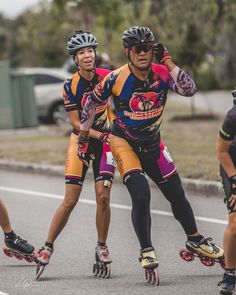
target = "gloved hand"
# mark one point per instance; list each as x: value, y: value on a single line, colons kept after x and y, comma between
x: 232, y: 199
x: 83, y: 149
x: 105, y: 137
x: 161, y: 53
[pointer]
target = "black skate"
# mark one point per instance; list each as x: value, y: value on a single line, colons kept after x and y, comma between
x: 205, y: 250
x: 149, y: 262
x: 227, y: 284
x: 20, y: 249
x: 102, y: 267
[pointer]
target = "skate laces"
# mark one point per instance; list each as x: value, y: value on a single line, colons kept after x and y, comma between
x: 208, y: 242
x: 147, y: 257
x: 45, y: 252
x: 22, y: 244
x: 102, y: 251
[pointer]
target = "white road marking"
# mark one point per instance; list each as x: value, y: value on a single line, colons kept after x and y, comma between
x: 113, y: 205
x: 2, y: 293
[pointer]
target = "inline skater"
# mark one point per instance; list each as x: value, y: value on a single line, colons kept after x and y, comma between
x: 139, y: 91
x: 226, y: 154
x: 14, y: 245
x: 82, y: 46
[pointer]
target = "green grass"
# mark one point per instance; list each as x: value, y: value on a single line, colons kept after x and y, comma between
x: 191, y: 143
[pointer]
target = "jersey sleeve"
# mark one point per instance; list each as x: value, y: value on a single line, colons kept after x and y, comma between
x: 104, y: 89
x: 68, y: 97
x: 228, y: 129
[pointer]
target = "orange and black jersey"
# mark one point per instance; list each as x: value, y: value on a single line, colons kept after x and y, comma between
x: 75, y: 93
x: 139, y: 105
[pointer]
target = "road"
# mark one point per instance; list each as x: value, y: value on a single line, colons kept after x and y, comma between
x: 32, y: 199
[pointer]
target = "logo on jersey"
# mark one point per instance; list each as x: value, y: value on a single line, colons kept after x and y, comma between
x: 144, y: 106
x: 99, y: 109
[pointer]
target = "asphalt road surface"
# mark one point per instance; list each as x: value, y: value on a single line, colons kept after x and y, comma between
x: 31, y: 201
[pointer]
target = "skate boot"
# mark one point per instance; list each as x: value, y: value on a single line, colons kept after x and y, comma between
x: 101, y: 267
x: 149, y: 262
x: 227, y: 284
x: 43, y: 257
x: 19, y: 248
x: 205, y: 250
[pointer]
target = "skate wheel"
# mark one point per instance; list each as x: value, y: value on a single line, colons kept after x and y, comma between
x: 18, y: 256
x: 29, y: 259
x: 100, y: 270
x: 155, y: 277
x: 207, y: 261
x: 39, y: 270
x: 186, y: 255
x: 147, y: 275
x: 107, y: 271
x: 95, y: 270
x: 152, y: 276
x: 7, y: 252
x: 103, y: 274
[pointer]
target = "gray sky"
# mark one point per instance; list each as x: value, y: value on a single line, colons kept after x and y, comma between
x: 12, y: 8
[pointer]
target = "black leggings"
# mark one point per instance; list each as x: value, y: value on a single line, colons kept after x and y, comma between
x: 140, y: 194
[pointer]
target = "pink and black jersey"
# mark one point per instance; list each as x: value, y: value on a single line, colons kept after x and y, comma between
x: 140, y: 104
x: 75, y: 93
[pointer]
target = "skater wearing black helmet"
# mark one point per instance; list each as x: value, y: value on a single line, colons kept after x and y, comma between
x: 139, y: 91
x: 82, y: 46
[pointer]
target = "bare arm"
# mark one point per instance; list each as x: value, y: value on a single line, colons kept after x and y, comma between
x: 222, y: 151
x: 75, y: 123
x: 184, y: 84
x: 88, y: 115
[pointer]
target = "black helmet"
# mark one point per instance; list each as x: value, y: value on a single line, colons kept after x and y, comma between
x: 80, y: 40
x: 137, y: 35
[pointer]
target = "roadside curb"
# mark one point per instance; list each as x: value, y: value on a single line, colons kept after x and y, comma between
x: 202, y: 187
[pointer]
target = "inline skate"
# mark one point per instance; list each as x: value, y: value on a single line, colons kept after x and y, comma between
x: 43, y: 257
x: 205, y: 250
x: 102, y: 267
x: 149, y: 262
x: 227, y: 284
x: 20, y: 249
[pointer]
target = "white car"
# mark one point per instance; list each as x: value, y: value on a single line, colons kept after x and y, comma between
x: 48, y: 92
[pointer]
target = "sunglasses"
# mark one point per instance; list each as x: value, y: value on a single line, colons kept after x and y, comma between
x: 142, y: 47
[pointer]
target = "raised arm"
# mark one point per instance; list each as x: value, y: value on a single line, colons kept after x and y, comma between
x: 182, y: 83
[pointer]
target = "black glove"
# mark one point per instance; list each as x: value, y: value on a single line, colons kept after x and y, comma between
x: 232, y: 180
x: 161, y: 53
x: 83, y: 149
x: 105, y: 137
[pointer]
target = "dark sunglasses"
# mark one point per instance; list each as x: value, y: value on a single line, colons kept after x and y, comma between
x: 142, y: 47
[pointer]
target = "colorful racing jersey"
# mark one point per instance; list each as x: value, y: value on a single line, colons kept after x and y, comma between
x: 139, y: 105
x: 75, y: 93
x: 228, y: 129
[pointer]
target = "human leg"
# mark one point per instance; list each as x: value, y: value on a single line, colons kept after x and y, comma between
x: 74, y: 176
x: 131, y: 172
x: 4, y: 218
x: 15, y: 245
x: 103, y: 212
x: 164, y: 174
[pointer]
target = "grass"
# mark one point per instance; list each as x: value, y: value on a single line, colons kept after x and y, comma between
x: 191, y: 142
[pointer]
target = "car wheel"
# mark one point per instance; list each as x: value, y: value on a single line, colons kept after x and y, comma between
x: 58, y: 114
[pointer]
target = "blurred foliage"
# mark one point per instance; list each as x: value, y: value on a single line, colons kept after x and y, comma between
x: 199, y: 34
